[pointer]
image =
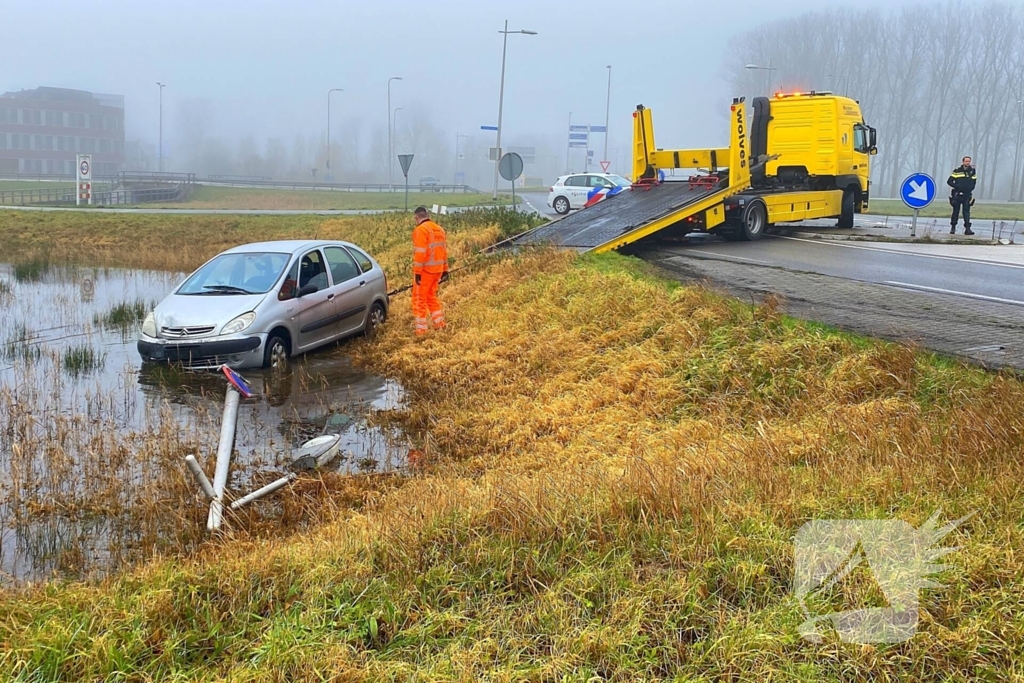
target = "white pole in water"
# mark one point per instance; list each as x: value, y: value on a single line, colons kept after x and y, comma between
x: 265, y: 491
x: 200, y: 476
x: 224, y: 448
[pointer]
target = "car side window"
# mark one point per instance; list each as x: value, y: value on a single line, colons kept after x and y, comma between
x: 598, y: 181
x: 290, y: 285
x: 312, y: 271
x: 860, y: 139
x: 342, y: 266
x: 362, y: 259
x: 577, y: 181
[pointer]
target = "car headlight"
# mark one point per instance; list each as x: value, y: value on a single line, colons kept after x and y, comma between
x: 149, y: 326
x: 238, y: 324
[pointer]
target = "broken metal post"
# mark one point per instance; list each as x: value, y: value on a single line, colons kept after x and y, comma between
x: 200, y: 476
x: 224, y: 448
x: 265, y: 491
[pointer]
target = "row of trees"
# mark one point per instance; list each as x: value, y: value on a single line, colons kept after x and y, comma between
x: 937, y: 81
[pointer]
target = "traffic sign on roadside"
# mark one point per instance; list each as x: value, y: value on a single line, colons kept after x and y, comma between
x: 605, y: 165
x: 494, y: 128
x: 406, y: 161
x: 917, y: 192
x: 511, y: 166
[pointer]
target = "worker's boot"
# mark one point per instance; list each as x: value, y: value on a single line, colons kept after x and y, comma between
x: 952, y: 231
x: 968, y: 231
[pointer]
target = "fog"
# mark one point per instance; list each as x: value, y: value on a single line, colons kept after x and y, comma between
x: 247, y: 82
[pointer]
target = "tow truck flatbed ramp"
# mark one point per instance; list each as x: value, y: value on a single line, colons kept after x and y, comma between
x: 618, y: 215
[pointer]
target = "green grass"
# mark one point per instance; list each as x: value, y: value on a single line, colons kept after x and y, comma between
x: 26, y: 185
x: 940, y: 209
x: 18, y: 344
x: 32, y: 269
x: 80, y: 359
x: 124, y: 314
x: 209, y: 197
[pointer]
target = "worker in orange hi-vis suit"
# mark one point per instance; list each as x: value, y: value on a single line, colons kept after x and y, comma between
x: 429, y: 268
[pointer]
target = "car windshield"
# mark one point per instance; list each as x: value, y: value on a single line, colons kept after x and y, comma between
x: 232, y: 274
x: 618, y: 180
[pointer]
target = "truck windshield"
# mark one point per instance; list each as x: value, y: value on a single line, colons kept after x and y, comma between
x: 233, y: 274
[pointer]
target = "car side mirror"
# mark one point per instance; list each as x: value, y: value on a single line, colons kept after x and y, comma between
x: 307, y: 289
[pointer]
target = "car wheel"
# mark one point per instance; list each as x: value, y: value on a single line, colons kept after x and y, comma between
x: 275, y: 353
x: 848, y: 209
x: 561, y: 206
x: 755, y: 218
x: 375, y: 319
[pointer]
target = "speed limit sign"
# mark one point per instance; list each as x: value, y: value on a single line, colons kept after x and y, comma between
x: 83, y: 168
x: 84, y: 179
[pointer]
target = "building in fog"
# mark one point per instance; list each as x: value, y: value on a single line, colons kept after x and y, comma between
x: 42, y: 130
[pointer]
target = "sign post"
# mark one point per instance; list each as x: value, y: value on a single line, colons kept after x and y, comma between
x: 917, y: 192
x: 84, y: 163
x: 406, y: 161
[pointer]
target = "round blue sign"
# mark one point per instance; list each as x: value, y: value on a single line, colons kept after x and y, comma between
x: 918, y: 190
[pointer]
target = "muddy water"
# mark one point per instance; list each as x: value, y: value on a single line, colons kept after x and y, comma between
x: 92, y: 442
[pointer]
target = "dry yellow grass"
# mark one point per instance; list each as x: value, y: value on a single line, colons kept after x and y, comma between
x: 615, y: 468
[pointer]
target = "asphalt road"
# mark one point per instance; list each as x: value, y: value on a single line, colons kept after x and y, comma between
x: 995, y: 274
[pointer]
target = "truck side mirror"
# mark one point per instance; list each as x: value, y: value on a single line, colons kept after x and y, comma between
x: 874, y: 151
x: 872, y: 138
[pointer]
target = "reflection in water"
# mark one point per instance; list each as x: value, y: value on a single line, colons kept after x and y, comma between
x: 91, y: 464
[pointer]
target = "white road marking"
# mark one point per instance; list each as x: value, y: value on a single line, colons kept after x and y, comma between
x: 962, y: 259
x: 939, y: 290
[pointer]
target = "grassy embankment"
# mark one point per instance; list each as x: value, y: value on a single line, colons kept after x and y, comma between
x: 940, y: 209
x: 614, y: 468
x: 209, y: 197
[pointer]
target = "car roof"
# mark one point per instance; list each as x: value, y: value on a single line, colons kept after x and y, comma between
x: 284, y: 246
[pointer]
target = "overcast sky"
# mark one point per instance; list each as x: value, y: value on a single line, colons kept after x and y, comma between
x: 268, y: 65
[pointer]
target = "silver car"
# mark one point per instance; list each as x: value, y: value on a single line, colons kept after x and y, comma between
x: 258, y: 304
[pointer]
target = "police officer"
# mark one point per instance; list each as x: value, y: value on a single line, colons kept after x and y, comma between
x: 962, y: 180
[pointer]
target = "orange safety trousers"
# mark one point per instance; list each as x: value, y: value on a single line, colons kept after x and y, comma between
x: 425, y: 304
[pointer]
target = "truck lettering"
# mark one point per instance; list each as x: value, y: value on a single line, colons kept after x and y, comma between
x: 741, y: 132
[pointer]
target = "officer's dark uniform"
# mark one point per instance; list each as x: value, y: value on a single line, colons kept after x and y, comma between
x: 962, y: 180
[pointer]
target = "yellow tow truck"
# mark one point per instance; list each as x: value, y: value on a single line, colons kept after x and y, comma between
x: 805, y: 156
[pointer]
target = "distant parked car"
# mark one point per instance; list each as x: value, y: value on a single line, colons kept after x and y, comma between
x: 579, y: 190
x: 259, y: 304
x: 429, y: 183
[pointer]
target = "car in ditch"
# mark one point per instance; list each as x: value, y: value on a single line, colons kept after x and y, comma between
x: 258, y: 305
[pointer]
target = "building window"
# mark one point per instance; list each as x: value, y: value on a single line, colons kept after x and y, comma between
x: 39, y: 142
x: 104, y: 146
x: 35, y: 117
x: 3, y: 139
x: 3, y: 115
x: 95, y: 121
x: 87, y: 145
x: 48, y: 143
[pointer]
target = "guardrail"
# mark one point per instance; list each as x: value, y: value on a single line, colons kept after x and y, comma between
x: 154, y: 176
x: 338, y: 187
x: 58, y: 196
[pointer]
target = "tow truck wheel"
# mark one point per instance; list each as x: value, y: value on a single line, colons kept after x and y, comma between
x: 561, y: 206
x: 846, y: 217
x: 755, y: 218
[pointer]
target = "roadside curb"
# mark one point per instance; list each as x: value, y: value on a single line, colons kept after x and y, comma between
x: 884, y: 238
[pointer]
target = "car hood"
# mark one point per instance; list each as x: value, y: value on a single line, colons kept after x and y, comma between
x: 179, y: 310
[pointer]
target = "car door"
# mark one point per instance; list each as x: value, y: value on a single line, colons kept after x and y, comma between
x: 315, y: 312
x: 352, y: 296
x: 577, y: 190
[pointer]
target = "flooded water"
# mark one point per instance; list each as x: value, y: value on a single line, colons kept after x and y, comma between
x: 92, y: 443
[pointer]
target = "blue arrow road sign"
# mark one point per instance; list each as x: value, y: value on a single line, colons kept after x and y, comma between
x: 578, y: 144
x: 579, y: 129
x: 488, y: 128
x: 598, y: 129
x: 918, y: 191
x: 577, y: 136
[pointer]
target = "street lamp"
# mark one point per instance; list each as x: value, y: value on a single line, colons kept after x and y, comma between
x: 160, y: 148
x: 391, y: 149
x: 1015, y: 190
x: 768, y: 68
x: 457, y: 136
x: 501, y: 96
x: 607, y: 111
x: 568, y: 143
x: 329, y: 128
x: 394, y: 124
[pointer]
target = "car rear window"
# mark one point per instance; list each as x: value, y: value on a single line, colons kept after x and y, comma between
x: 362, y: 259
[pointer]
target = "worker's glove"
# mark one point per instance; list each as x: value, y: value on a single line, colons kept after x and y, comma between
x: 417, y: 278
x: 444, y: 277
x: 972, y: 201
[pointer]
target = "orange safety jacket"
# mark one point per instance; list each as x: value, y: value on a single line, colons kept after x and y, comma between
x: 429, y: 248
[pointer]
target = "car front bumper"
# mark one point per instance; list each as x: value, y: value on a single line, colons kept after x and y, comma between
x: 235, y: 352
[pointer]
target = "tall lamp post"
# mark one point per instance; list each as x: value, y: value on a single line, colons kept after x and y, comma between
x: 394, y: 125
x: 568, y: 143
x: 1017, y: 190
x: 501, y: 96
x: 329, y: 129
x: 391, y: 148
x: 160, y: 148
x: 769, y: 69
x: 607, y: 112
x: 457, y: 137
